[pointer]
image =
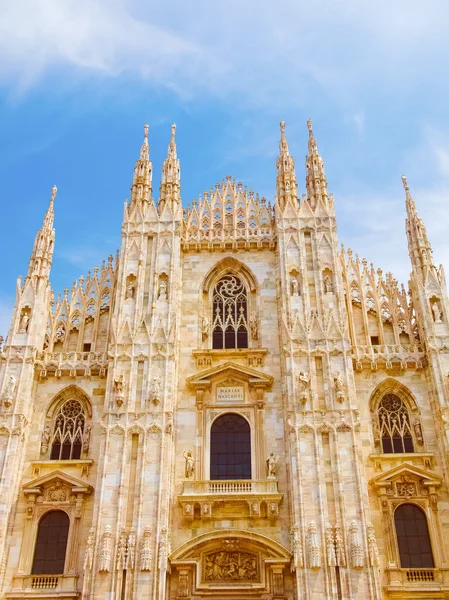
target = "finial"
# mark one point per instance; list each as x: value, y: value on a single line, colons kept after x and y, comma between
x: 145, y: 131
x: 54, y: 190
x: 404, y: 183
x: 309, y: 126
x: 282, y: 124
x: 173, y: 130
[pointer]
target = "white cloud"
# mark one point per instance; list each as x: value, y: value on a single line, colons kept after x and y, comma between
x: 6, y: 307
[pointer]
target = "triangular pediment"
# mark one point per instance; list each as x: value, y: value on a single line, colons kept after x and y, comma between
x: 408, y: 471
x: 77, y: 485
x: 233, y: 371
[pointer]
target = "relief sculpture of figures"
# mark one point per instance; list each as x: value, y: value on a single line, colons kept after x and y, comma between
x: 190, y: 464
x: 230, y: 566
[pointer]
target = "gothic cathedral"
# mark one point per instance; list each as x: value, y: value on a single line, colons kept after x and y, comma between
x: 231, y: 408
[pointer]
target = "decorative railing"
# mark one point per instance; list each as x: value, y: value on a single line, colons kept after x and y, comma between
x: 418, y: 575
x: 86, y: 363
x: 45, y: 582
x: 239, y: 486
x: 389, y: 355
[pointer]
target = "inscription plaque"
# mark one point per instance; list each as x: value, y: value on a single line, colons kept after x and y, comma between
x: 230, y: 394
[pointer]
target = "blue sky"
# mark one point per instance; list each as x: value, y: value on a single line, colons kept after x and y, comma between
x: 78, y: 80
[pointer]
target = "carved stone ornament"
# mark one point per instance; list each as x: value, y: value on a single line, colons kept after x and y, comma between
x: 355, y: 543
x: 45, y: 439
x: 330, y: 547
x: 121, y: 552
x: 89, y: 554
x: 86, y: 438
x: 131, y: 551
x: 8, y: 393
x: 298, y: 561
x: 118, y: 389
x: 146, y: 555
x: 313, y: 546
x: 230, y: 565
x: 106, y: 550
x: 190, y: 464
x: 340, y: 554
x: 373, y: 551
x: 163, y: 551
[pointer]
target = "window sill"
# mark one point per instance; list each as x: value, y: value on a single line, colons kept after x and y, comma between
x: 253, y: 357
x: 404, y: 583
x: 48, y: 586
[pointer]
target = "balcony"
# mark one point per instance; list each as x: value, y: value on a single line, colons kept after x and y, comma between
x: 239, y: 498
x: 49, y: 586
x: 405, y: 583
x: 388, y: 356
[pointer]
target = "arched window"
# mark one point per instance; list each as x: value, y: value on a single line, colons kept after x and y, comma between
x: 415, y: 550
x: 51, y: 543
x: 230, y: 448
x: 67, y: 440
x: 230, y: 314
x: 394, y: 424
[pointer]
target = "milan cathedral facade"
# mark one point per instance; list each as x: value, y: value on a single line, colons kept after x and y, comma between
x: 231, y: 408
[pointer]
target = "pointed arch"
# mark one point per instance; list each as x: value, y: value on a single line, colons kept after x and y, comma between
x: 230, y: 265
x: 68, y: 393
x: 392, y: 386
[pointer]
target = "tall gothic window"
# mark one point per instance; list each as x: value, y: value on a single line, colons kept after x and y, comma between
x: 412, y: 532
x: 51, y: 543
x: 394, y: 424
x: 230, y: 444
x: 230, y: 314
x: 67, y: 440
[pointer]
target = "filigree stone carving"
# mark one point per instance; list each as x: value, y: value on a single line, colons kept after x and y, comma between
x: 120, y: 562
x: 330, y: 547
x: 313, y: 546
x: 106, y: 550
x: 89, y: 554
x: 298, y: 561
x: 355, y: 543
x: 146, y: 555
x: 163, y: 551
x: 340, y: 554
x: 227, y: 565
x: 131, y: 551
x: 373, y: 551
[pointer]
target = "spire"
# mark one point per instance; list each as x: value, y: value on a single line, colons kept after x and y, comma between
x: 171, y: 179
x: 42, y: 254
x: 286, y: 177
x: 143, y: 171
x: 419, y: 247
x: 316, y: 183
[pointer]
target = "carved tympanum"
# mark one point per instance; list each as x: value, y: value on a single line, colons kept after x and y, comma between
x: 230, y: 566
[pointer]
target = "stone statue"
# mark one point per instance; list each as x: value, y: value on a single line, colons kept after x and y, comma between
x: 106, y: 550
x: 356, y: 546
x: 338, y: 383
x: 162, y: 291
x: 60, y: 332
x: 418, y: 432
x: 436, y: 313
x: 45, y: 440
x: 205, y: 327
x: 86, y: 438
x: 9, y: 390
x: 156, y: 389
x: 146, y: 555
x: 330, y: 547
x: 254, y: 326
x: 327, y: 284
x: 295, y: 286
x: 162, y: 560
x: 130, y: 290
x: 24, y: 322
x: 118, y: 385
x: 373, y: 551
x: 190, y: 464
x: 303, y: 381
x: 271, y: 465
x: 131, y: 551
x: 313, y: 546
x: 89, y: 556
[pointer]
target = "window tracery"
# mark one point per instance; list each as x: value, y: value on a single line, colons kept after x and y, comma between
x: 230, y: 314
x: 394, y: 424
x: 68, y: 431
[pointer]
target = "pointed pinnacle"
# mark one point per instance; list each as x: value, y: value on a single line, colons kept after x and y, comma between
x: 309, y: 127
x: 145, y: 131
x: 404, y: 183
x: 54, y: 191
